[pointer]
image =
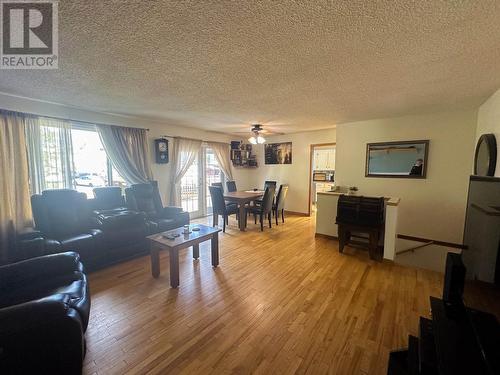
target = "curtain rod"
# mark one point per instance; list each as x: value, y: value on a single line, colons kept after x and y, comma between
x: 67, y: 119
x: 194, y: 139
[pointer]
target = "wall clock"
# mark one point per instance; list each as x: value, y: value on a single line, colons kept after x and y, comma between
x: 161, y: 150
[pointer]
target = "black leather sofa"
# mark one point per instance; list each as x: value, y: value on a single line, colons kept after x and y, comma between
x: 146, y: 198
x: 44, y: 313
x: 103, y: 230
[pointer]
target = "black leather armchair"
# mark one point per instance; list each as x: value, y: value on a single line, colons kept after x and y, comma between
x: 146, y: 198
x: 44, y: 312
x: 63, y: 219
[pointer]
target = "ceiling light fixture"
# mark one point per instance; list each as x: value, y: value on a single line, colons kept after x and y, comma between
x: 256, y: 138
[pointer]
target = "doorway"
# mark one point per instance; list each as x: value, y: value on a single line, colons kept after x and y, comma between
x: 321, y: 171
x: 204, y: 171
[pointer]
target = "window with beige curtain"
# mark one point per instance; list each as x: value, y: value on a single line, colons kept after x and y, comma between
x: 183, y: 155
x: 64, y: 154
x: 222, y: 154
x: 128, y: 150
x: 15, y: 207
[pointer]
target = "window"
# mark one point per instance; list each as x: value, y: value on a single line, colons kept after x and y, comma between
x: 68, y: 155
x: 90, y: 161
x: 92, y: 167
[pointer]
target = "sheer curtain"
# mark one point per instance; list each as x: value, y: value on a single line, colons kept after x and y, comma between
x: 15, y: 207
x: 50, y: 153
x: 127, y: 148
x: 222, y: 154
x: 185, y: 151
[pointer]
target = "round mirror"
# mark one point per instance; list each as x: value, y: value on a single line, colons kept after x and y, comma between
x: 486, y: 156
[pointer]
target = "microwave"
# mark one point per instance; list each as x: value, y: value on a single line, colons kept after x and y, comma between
x: 319, y: 176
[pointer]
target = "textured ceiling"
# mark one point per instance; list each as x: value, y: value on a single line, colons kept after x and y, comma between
x: 300, y: 65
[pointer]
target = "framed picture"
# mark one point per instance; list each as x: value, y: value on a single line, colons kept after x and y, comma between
x: 404, y: 159
x: 278, y: 153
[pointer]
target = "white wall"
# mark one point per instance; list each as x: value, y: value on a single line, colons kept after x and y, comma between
x: 488, y: 121
x: 161, y: 172
x: 431, y: 208
x: 296, y: 175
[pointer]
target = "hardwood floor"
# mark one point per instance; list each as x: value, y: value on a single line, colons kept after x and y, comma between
x: 280, y: 302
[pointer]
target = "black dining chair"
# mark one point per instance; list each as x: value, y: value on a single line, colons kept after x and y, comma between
x: 220, y: 207
x: 220, y: 185
x: 265, y: 208
x: 270, y: 183
x: 231, y: 186
x: 279, y: 206
x: 266, y: 185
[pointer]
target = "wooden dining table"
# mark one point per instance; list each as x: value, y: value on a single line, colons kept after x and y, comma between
x: 242, y: 198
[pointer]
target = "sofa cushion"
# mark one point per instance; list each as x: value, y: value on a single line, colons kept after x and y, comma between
x: 60, y: 212
x: 107, y: 198
x: 83, y: 244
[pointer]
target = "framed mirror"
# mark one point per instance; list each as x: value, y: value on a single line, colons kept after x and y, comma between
x: 404, y: 159
x: 485, y: 160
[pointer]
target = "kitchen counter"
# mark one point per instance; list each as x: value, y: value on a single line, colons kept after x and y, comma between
x: 389, y: 201
x: 326, y: 213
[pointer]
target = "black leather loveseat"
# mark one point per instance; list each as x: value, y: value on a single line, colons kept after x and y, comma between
x: 44, y: 312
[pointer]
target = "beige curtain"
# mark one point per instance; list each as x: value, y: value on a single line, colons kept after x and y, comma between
x: 127, y: 148
x: 50, y: 153
x: 222, y: 154
x: 185, y: 151
x: 15, y: 207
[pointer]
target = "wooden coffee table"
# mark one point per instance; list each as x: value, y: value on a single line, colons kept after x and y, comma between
x: 159, y: 242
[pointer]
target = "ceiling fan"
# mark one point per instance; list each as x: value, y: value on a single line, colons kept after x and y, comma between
x: 257, y: 138
x: 258, y: 133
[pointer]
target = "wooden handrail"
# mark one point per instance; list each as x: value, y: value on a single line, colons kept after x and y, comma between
x: 435, y: 242
x: 413, y: 248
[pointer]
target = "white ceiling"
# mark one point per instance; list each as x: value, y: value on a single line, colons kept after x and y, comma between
x: 297, y: 65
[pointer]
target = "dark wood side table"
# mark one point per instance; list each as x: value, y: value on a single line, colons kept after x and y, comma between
x: 159, y: 242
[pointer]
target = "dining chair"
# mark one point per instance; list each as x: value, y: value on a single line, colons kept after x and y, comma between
x: 270, y: 183
x: 265, y: 209
x: 220, y: 207
x: 231, y: 186
x: 279, y: 206
x: 266, y: 185
x: 220, y: 185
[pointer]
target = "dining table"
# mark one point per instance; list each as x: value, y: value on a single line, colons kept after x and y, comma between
x: 242, y: 198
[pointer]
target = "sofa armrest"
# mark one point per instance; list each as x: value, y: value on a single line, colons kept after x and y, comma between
x: 27, y: 249
x: 112, y: 220
x: 182, y: 218
x: 29, y: 315
x: 28, y: 233
x: 41, y: 336
x: 170, y: 211
x: 27, y: 270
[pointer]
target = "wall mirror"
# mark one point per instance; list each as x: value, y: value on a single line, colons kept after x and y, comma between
x: 485, y: 159
x: 405, y: 159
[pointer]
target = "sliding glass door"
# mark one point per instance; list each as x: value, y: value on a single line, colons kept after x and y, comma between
x: 195, y: 196
x: 191, y: 188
